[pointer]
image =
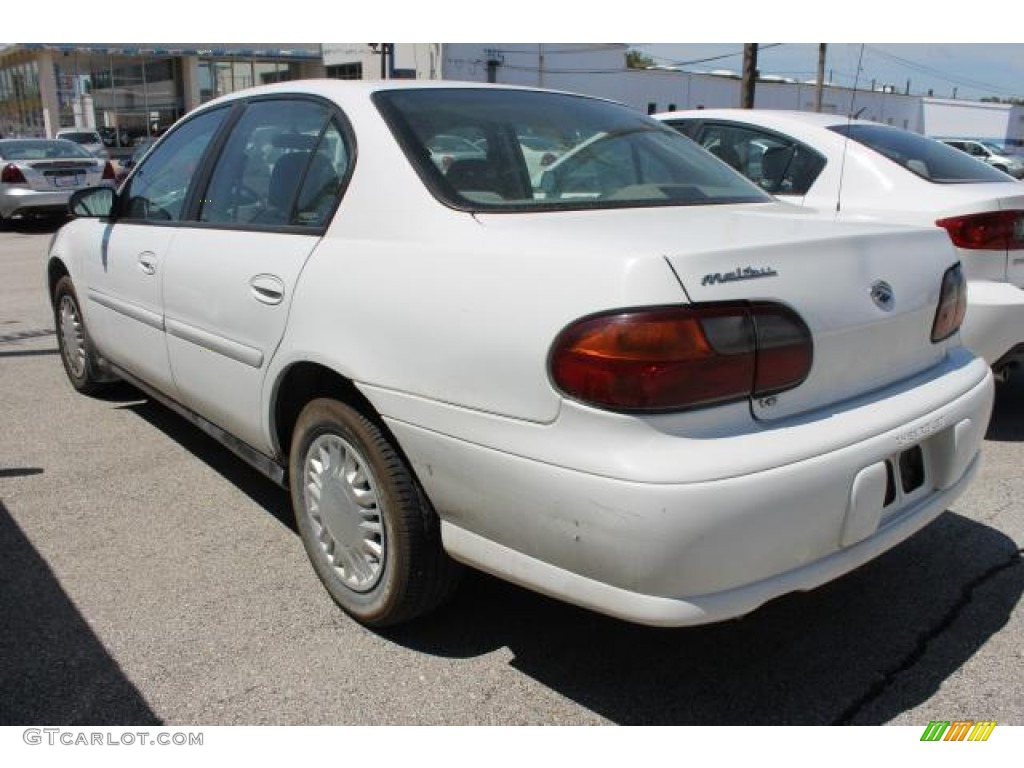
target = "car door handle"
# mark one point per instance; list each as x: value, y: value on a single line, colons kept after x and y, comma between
x: 267, y: 289
x: 147, y: 262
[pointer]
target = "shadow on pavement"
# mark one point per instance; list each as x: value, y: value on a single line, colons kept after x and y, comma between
x: 812, y: 658
x: 1007, y: 423
x: 53, y: 669
x: 261, y: 490
x: 859, y: 650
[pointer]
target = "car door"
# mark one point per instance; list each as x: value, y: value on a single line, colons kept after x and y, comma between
x: 231, y: 275
x: 124, y: 274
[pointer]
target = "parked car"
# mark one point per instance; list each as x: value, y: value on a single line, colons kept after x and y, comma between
x: 446, y: 150
x: 856, y: 169
x: 670, y: 402
x: 993, y: 154
x: 91, y: 141
x: 37, y: 176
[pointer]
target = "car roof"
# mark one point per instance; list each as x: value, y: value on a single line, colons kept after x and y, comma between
x: 779, y: 118
x: 341, y: 90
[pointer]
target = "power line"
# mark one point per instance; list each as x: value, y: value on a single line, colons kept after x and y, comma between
x: 672, y: 63
x: 938, y: 73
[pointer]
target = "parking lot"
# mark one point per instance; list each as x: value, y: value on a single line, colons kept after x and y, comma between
x: 148, y: 576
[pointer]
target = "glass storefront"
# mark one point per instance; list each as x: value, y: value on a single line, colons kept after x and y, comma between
x: 128, y: 93
x: 21, y: 109
x: 218, y: 77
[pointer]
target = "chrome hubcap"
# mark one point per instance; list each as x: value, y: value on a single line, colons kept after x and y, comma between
x: 73, y: 346
x: 343, y: 506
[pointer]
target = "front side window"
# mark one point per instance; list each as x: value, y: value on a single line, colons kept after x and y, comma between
x: 504, y: 150
x: 159, y: 187
x: 931, y: 160
x: 282, y: 166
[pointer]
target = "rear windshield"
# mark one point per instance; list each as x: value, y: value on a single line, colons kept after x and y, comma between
x: 931, y: 160
x: 41, y: 149
x: 595, y: 154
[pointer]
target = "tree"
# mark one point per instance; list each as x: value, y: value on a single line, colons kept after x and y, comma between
x: 638, y: 60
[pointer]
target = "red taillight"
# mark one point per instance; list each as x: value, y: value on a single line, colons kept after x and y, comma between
x: 108, y: 171
x: 993, y: 231
x: 673, y: 358
x: 952, y: 304
x: 11, y: 174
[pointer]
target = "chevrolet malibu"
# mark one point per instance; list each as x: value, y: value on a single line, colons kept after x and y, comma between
x: 634, y: 381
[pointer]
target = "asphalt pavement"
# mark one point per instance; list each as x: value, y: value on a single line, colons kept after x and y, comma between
x: 148, y: 576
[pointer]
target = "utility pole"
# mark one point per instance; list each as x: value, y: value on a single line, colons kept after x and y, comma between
x: 749, y: 75
x: 384, y: 49
x: 819, y: 87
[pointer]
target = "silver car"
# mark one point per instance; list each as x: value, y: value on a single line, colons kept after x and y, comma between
x: 996, y: 156
x: 37, y: 176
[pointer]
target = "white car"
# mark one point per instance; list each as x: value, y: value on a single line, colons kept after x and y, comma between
x: 88, y: 139
x: 859, y: 170
x: 670, y: 402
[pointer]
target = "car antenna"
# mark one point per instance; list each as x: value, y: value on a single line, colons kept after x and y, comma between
x: 850, y: 117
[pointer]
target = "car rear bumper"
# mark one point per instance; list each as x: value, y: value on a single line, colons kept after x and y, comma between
x: 994, y: 324
x: 680, y: 553
x: 16, y: 201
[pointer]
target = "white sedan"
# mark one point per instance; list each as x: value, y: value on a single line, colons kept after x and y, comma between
x: 859, y: 170
x: 647, y: 388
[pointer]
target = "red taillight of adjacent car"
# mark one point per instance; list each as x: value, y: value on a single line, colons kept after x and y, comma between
x: 11, y: 174
x: 952, y: 304
x: 992, y: 231
x: 108, y: 172
x: 681, y: 357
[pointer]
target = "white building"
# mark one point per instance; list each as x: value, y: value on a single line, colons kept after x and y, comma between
x: 599, y: 69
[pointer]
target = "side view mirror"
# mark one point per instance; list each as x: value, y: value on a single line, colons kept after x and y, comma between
x: 96, y: 202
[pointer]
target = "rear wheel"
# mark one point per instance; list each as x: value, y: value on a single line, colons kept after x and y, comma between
x: 372, y: 536
x: 76, y: 350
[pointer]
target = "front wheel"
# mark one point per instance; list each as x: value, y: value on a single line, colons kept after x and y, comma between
x: 76, y: 350
x: 372, y: 536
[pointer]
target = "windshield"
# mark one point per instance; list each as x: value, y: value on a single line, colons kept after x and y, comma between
x: 41, y: 149
x: 931, y: 160
x: 600, y: 154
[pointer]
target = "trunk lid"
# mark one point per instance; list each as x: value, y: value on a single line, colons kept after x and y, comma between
x: 835, y: 276
x: 59, y: 174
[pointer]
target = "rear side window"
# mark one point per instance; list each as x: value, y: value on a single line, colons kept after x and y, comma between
x: 507, y: 150
x: 930, y: 159
x: 283, y: 165
x: 775, y: 163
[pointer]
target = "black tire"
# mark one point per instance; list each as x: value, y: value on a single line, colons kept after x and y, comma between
x: 77, y: 353
x: 369, y: 530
